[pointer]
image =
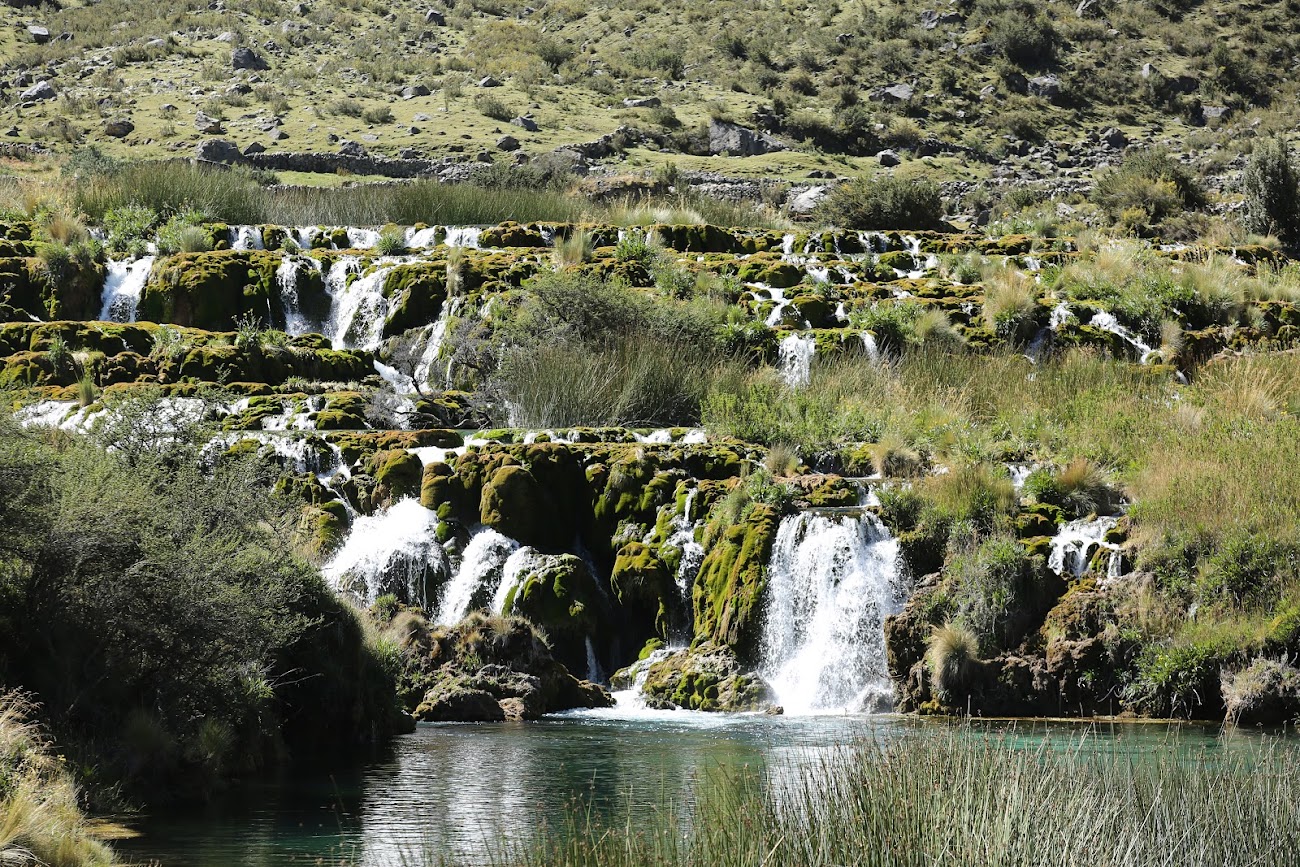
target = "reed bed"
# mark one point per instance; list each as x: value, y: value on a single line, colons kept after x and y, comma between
x: 962, y: 796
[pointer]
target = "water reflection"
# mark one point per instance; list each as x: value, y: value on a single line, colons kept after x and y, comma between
x: 450, y: 788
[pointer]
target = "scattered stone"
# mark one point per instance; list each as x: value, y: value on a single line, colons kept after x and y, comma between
x: 12, y: 132
x: 436, y: 18
x: 40, y: 35
x: 1215, y: 112
x: 888, y: 158
x: 1088, y: 9
x: 217, y: 150
x: 120, y: 128
x: 1114, y: 138
x: 806, y: 201
x: 247, y: 58
x: 901, y: 92
x: 642, y: 102
x: 254, y: 148
x: 488, y: 81
x: 1046, y: 86
x: 527, y: 123
x: 931, y: 19
x: 507, y: 143
x: 738, y: 141
x: 227, y: 37
x: 351, y: 149
x: 38, y: 92
x: 209, y: 125
x: 413, y: 90
x: 421, y: 118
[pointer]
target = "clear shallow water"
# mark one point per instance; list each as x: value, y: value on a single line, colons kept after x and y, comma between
x: 447, y: 788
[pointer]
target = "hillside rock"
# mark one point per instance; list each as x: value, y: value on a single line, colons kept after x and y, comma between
x: 38, y: 92
x: 205, y: 124
x: 120, y: 128
x: 642, y: 102
x: 738, y: 141
x: 218, y: 150
x: 40, y: 35
x: 247, y: 58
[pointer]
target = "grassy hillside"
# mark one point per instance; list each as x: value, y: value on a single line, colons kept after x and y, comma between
x: 1037, y: 80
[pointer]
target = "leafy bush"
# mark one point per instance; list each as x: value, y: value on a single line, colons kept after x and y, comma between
x: 994, y: 587
x: 883, y: 203
x: 128, y: 224
x: 1148, y: 188
x: 1272, y: 191
x: 494, y: 107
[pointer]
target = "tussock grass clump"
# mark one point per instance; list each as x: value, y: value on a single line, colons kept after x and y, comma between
x: 40, y: 816
x: 952, y: 651
x: 884, y: 203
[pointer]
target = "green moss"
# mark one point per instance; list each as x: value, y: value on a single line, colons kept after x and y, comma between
x: 729, y: 589
x: 644, y: 588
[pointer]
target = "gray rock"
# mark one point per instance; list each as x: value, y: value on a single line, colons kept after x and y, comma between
x: 1149, y: 71
x: 218, y: 150
x: 39, y: 91
x: 120, y: 128
x: 40, y: 35
x: 888, y: 158
x: 421, y: 118
x: 642, y: 102
x: 526, y: 123
x: 1114, y: 138
x: 1088, y: 9
x: 806, y: 201
x: 931, y: 19
x: 901, y: 92
x: 1215, y: 112
x: 301, y: 9
x: 205, y: 124
x: 254, y: 148
x: 436, y: 18
x: 279, y: 135
x: 488, y: 81
x: 1046, y: 86
x: 351, y: 149
x: 247, y: 58
x: 736, y: 140
x: 227, y: 37
x: 413, y: 90
x: 507, y: 143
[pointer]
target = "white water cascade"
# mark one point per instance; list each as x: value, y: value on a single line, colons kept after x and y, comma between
x: 833, y: 579
x: 482, y: 567
x: 122, y: 288
x: 1107, y: 322
x: 433, y: 346
x: 246, y: 238
x: 796, y: 355
x: 1074, y: 545
x: 286, y: 278
x: 358, y: 308
x: 393, y: 551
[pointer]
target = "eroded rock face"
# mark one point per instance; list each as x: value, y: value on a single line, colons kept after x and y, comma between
x: 486, y: 668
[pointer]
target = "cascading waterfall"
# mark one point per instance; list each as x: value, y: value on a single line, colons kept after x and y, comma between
x: 433, y: 346
x: 482, y: 568
x: 463, y: 236
x: 246, y: 238
x: 286, y: 278
x: 796, y: 355
x: 362, y: 239
x: 1074, y: 545
x: 393, y: 551
x: 358, y: 308
x: 122, y: 288
x: 1107, y: 322
x: 833, y: 579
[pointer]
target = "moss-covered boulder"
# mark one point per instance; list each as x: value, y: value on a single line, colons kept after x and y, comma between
x: 707, y: 677
x: 558, y: 593
x: 729, y: 590
x: 646, y: 592
x: 516, y: 505
x: 397, y: 473
x: 212, y: 290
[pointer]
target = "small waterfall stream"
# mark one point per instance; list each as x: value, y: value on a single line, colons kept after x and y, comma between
x: 393, y: 551
x: 833, y: 578
x: 122, y: 288
x: 482, y: 567
x: 796, y: 356
x: 1076, y: 542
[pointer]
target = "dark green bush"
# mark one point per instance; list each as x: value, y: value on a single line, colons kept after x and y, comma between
x: 884, y: 203
x: 1272, y: 191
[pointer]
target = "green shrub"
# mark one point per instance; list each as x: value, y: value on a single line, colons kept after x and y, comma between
x: 378, y: 114
x: 494, y: 107
x: 1148, y: 187
x: 128, y: 225
x: 995, y: 588
x: 1272, y: 191
x: 392, y: 242
x: 951, y: 654
x: 884, y: 203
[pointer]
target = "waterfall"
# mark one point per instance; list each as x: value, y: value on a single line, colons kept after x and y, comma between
x: 463, y: 236
x: 246, y: 238
x: 796, y: 355
x: 437, y: 332
x: 286, y: 278
x: 832, y: 580
x: 305, y: 236
x: 1107, y: 322
x: 482, y: 568
x: 122, y: 288
x: 358, y: 308
x: 1074, y: 544
x: 419, y: 238
x: 362, y: 239
x: 393, y: 551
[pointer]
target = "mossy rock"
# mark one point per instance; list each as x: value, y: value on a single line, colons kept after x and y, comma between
x: 705, y: 678
x: 819, y: 312
x: 729, y: 590
x: 558, y: 593
x: 398, y: 473
x: 418, y: 291
x: 645, y: 590
x: 212, y: 290
x: 514, y: 504
x: 510, y: 234
x: 899, y: 260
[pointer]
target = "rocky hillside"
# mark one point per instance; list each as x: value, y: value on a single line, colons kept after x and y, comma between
x: 1001, y: 90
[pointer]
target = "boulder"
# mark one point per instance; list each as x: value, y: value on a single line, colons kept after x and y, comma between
x: 738, y: 141
x: 209, y: 125
x: 218, y: 150
x: 1215, y: 112
x: 40, y: 35
x: 436, y: 18
x: 526, y: 123
x: 413, y: 90
x: 707, y: 677
x: 1114, y: 138
x: 901, y: 92
x: 120, y: 128
x: 247, y: 58
x: 806, y: 201
x: 488, y: 81
x: 351, y: 149
x: 507, y: 143
x: 254, y: 148
x: 1046, y: 86
x: 38, y: 92
x: 642, y: 102
x: 888, y: 158
x: 1267, y: 692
